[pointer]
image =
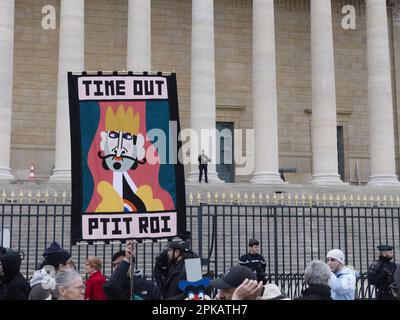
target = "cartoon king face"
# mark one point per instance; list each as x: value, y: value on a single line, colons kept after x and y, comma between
x: 123, y: 147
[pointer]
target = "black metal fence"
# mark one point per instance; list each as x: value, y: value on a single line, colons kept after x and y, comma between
x: 290, y: 236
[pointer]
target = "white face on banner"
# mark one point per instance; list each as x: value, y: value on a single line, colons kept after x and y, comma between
x: 121, y: 149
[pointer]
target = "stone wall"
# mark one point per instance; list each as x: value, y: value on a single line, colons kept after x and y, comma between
x: 36, y: 55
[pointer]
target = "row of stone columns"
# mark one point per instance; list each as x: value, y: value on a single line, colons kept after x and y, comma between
x: 203, y: 112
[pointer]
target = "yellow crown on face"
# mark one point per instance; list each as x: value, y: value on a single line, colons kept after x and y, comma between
x: 122, y: 121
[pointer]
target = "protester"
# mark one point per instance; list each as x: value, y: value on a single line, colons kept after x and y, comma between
x: 239, y: 283
x: 316, y: 276
x: 178, y: 251
x: 161, y: 265
x: 253, y: 260
x: 94, y: 284
x: 57, y: 257
x: 118, y: 286
x: 42, y: 284
x: 343, y: 279
x: 15, y: 286
x: 117, y: 258
x: 69, y: 285
x: 381, y: 273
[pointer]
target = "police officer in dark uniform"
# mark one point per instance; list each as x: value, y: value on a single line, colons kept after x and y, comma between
x: 381, y: 273
x: 253, y: 260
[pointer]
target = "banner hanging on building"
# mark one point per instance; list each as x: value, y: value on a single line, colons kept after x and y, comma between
x: 126, y: 182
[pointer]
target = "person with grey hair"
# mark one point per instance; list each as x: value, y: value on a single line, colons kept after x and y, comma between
x: 316, y: 277
x: 69, y: 286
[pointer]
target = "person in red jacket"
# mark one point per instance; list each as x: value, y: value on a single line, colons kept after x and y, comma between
x: 96, y: 280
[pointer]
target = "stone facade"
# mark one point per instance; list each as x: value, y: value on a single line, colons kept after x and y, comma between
x: 35, y: 73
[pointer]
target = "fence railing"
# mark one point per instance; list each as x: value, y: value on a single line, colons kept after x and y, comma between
x: 292, y: 231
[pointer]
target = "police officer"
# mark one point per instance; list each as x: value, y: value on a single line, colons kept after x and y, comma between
x: 253, y: 260
x: 381, y: 273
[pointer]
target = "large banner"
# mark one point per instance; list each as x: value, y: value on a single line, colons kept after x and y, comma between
x: 126, y: 180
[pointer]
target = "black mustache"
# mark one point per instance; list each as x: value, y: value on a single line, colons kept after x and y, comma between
x: 122, y: 156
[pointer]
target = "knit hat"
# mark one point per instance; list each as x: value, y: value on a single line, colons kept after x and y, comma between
x: 337, y: 255
x: 55, y: 255
x: 54, y: 247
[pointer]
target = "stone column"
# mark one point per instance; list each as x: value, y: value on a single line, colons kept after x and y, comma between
x: 323, y: 120
x: 396, y: 43
x: 380, y: 100
x: 202, y: 100
x: 139, y: 35
x: 6, y: 84
x: 265, y: 114
x: 70, y: 58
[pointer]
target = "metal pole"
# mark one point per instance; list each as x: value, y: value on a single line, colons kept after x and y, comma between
x: 132, y: 273
x: 276, y: 244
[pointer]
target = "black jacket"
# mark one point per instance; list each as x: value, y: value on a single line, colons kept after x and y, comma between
x: 161, y: 266
x: 256, y: 263
x: 175, y: 274
x: 381, y: 275
x: 15, y: 286
x: 316, y: 292
x: 118, y: 287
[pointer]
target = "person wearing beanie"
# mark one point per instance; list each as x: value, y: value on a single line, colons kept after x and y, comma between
x: 57, y: 257
x: 381, y: 273
x: 343, y: 279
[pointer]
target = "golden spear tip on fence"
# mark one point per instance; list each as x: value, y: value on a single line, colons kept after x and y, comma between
x: 260, y: 198
x: 231, y: 197
x: 198, y: 198
x: 191, y: 198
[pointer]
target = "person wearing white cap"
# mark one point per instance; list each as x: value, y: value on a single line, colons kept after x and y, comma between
x: 343, y: 279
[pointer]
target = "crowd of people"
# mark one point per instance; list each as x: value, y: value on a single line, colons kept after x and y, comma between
x: 58, y: 279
